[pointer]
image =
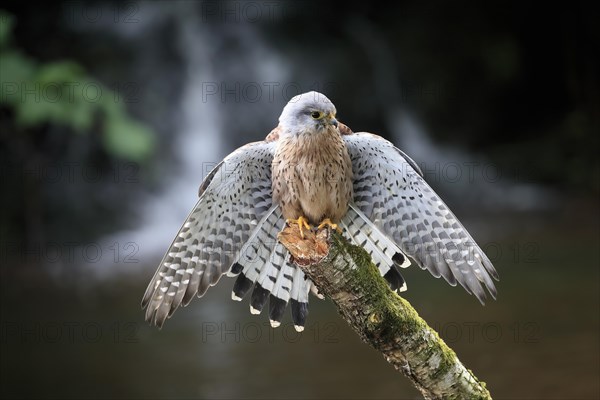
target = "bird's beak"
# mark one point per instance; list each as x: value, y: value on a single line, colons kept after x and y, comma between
x: 333, y: 122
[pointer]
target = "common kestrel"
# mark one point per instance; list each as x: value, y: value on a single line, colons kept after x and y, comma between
x: 312, y: 171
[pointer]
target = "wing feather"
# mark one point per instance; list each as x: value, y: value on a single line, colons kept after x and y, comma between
x: 234, y: 197
x: 390, y: 190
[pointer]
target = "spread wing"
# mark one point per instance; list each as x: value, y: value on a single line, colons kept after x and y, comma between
x: 234, y: 197
x: 390, y: 191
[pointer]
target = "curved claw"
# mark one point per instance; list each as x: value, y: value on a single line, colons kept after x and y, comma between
x: 302, y: 223
x: 327, y: 223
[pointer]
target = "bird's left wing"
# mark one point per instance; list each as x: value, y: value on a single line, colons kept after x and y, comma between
x: 390, y: 191
x: 234, y: 198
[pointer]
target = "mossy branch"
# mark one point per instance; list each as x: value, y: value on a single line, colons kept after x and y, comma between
x: 386, y: 321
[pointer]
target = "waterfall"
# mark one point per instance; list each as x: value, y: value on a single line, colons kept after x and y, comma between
x: 212, y: 71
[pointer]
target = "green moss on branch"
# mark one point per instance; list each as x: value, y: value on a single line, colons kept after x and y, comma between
x: 383, y: 319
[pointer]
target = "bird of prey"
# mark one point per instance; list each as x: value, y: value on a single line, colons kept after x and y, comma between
x: 313, y: 171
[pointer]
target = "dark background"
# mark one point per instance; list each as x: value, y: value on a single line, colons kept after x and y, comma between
x: 112, y: 113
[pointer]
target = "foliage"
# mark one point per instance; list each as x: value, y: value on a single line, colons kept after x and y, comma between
x: 61, y: 93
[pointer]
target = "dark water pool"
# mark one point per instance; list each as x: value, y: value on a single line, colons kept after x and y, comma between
x: 539, y: 340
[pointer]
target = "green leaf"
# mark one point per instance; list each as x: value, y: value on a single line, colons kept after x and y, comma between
x: 16, y: 75
x: 7, y: 22
x: 62, y: 93
x: 61, y: 71
x: 127, y: 138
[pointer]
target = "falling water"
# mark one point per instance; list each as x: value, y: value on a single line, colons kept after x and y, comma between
x: 205, y: 134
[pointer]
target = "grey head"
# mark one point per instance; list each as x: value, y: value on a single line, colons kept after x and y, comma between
x: 308, y: 113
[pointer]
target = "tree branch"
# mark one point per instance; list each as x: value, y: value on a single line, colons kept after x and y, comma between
x: 386, y: 321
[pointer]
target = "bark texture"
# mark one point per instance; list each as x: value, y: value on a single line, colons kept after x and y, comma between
x: 386, y: 321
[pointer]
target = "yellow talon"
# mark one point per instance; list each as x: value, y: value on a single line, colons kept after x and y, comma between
x: 302, y: 223
x: 327, y: 222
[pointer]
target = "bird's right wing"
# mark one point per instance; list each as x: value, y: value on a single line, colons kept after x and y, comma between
x: 234, y: 198
x: 390, y: 192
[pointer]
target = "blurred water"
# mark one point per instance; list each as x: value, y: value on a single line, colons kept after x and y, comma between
x: 538, y: 340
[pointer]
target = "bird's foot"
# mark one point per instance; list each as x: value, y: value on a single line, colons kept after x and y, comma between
x: 302, y: 223
x: 327, y: 223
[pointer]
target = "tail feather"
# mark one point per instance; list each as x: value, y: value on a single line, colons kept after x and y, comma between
x: 254, y: 255
x: 395, y: 279
x: 299, y: 296
x: 256, y: 252
x: 263, y: 266
x: 385, y: 254
x: 240, y: 287
x: 282, y: 285
x: 364, y: 240
x: 282, y: 288
x: 276, y: 309
x: 259, y: 298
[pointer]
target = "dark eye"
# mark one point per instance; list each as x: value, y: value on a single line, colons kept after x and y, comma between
x: 315, y: 114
